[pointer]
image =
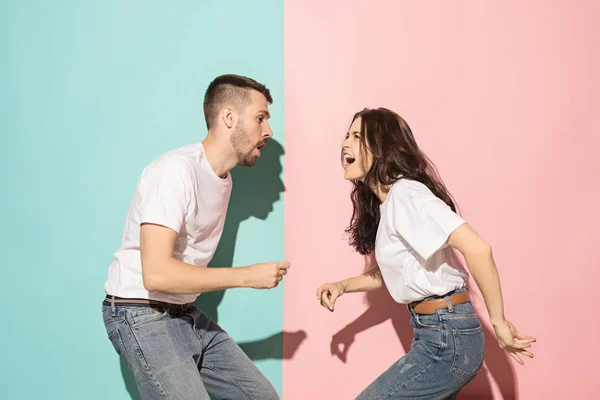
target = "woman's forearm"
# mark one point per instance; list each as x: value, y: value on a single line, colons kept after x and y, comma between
x: 478, y: 255
x: 370, y: 280
x: 485, y: 274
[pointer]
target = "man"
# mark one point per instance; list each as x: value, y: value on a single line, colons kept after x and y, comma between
x: 173, y: 226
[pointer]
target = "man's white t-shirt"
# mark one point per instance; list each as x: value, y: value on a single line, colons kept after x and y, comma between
x: 181, y: 191
x: 411, y: 249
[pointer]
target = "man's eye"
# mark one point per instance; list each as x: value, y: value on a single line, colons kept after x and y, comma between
x: 261, y: 119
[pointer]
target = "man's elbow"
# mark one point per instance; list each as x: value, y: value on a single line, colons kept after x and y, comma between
x: 151, y: 284
x: 151, y: 278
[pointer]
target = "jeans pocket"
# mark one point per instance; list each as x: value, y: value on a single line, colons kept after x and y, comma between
x: 468, y: 351
x: 427, y: 321
x: 115, y: 338
x: 145, y: 315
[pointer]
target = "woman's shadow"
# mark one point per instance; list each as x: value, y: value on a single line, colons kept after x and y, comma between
x: 254, y: 192
x: 382, y: 307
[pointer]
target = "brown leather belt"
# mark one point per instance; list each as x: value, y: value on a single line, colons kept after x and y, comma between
x: 170, y: 307
x: 431, y: 306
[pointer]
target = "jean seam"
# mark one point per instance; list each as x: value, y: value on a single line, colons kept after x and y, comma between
x: 444, y: 330
x: 458, y: 316
x: 116, y: 334
x: 198, y: 337
x: 227, y: 377
x: 467, y: 331
x: 145, y: 364
x: 113, y: 320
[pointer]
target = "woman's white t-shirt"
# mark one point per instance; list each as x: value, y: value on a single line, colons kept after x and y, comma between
x: 411, y: 249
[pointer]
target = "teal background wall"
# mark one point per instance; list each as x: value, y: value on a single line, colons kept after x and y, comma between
x: 90, y: 92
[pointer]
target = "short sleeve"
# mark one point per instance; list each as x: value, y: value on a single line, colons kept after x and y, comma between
x: 423, y: 220
x: 166, y: 193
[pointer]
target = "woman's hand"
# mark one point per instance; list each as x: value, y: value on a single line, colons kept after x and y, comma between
x: 328, y: 293
x: 512, y: 341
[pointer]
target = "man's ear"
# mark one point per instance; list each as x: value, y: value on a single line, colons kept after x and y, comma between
x: 228, y: 115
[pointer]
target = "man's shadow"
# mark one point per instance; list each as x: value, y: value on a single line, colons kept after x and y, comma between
x: 254, y: 192
x: 382, y: 307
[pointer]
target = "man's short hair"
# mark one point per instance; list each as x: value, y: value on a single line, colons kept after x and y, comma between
x: 230, y: 89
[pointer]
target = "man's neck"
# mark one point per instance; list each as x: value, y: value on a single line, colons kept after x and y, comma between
x: 219, y: 157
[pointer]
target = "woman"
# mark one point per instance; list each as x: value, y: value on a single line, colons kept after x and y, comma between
x: 403, y: 213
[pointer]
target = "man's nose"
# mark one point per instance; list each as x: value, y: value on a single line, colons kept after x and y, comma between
x: 268, y: 132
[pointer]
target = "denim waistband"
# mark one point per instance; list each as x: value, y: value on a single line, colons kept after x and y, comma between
x: 115, y: 301
x: 434, y: 297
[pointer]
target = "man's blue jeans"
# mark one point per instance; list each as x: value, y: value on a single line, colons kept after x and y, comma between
x: 182, y: 356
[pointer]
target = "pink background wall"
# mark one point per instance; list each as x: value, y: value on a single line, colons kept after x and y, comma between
x: 504, y: 97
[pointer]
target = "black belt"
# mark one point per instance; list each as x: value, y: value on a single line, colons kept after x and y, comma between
x: 170, y: 307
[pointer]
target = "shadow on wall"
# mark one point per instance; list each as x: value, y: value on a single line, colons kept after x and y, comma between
x: 497, y: 363
x: 254, y: 192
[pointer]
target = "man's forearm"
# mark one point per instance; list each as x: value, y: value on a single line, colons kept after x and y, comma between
x: 182, y: 278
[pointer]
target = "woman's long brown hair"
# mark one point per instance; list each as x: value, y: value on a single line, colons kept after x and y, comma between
x: 395, y: 156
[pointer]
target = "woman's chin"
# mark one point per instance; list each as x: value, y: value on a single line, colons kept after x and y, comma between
x: 352, y: 177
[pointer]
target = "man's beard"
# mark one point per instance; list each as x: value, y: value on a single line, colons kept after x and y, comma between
x: 243, y: 146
